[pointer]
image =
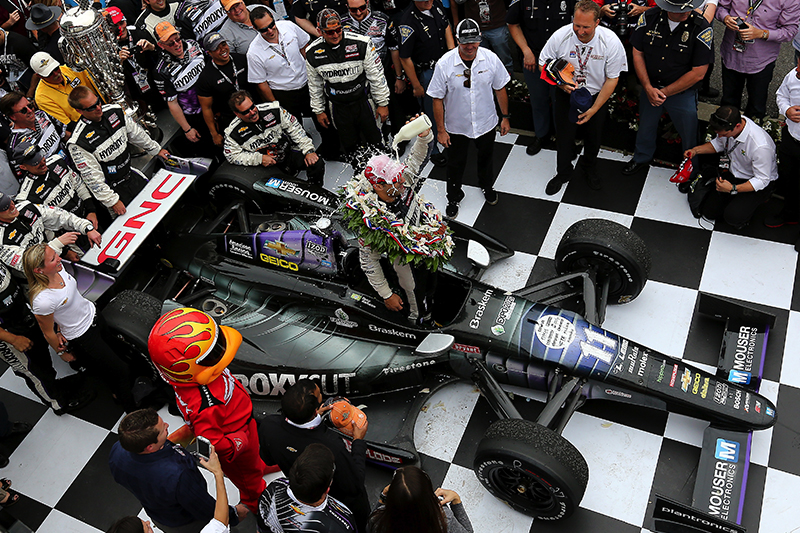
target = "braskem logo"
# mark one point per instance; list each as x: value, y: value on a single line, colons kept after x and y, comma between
x: 727, y: 451
x: 738, y: 376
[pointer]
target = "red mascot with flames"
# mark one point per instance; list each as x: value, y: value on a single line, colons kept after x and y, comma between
x: 192, y: 352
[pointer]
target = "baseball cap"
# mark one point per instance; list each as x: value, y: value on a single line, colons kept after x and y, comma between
x: 228, y: 4
x: 579, y: 102
x: 116, y: 14
x: 468, y: 31
x: 43, y: 64
x: 5, y: 202
x: 678, y: 6
x: 28, y: 153
x: 328, y: 19
x: 383, y: 169
x: 212, y: 41
x: 164, y: 30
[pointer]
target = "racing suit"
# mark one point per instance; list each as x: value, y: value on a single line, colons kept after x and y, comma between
x: 417, y: 284
x: 100, y: 151
x: 223, y: 413
x: 347, y: 75
x: 48, y: 134
x: 279, y: 510
x: 59, y: 187
x: 273, y: 134
x: 198, y: 18
x: 29, y: 229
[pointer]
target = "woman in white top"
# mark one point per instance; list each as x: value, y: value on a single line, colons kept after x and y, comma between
x: 65, y: 316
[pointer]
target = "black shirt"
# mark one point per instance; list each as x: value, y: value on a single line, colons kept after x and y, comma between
x: 220, y: 81
x: 422, y: 37
x: 15, y: 58
x: 539, y: 19
x: 309, y: 9
x: 668, y: 55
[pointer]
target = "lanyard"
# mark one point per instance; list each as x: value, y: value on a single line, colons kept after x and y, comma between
x: 753, y: 6
x: 281, y: 52
x: 235, y: 81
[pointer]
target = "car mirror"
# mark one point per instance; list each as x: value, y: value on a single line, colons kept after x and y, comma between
x: 322, y: 227
x: 478, y: 254
x: 435, y: 344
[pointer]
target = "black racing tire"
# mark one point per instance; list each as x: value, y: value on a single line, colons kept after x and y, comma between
x: 231, y: 183
x: 532, y: 468
x: 613, y: 250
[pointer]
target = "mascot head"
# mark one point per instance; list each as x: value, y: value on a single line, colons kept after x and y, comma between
x: 187, y: 346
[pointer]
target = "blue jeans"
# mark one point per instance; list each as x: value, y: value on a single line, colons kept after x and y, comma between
x: 496, y: 40
x: 682, y: 109
x: 542, y: 94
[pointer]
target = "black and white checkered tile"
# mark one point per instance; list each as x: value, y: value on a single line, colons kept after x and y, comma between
x: 60, y: 467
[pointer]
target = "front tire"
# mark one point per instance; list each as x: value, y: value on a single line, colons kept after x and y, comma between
x: 532, y: 468
x: 615, y: 252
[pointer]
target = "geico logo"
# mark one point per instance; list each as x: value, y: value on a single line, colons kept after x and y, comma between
x: 283, y: 263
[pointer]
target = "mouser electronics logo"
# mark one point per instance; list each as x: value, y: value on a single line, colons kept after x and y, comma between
x: 475, y: 323
x: 723, y: 480
x: 745, y: 349
x: 727, y: 450
x: 281, y: 185
x: 736, y: 376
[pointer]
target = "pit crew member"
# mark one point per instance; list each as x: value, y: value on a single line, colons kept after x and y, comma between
x: 198, y: 18
x: 23, y: 224
x: 393, y: 183
x: 100, y: 149
x: 344, y: 73
x: 192, y: 352
x: 264, y: 134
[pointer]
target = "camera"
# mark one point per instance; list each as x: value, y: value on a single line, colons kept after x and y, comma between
x: 620, y: 23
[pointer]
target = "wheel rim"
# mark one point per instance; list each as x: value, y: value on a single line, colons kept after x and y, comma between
x: 604, y: 271
x: 524, y: 488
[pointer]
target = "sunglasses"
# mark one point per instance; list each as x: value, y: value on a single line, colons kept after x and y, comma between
x: 248, y: 110
x: 332, y: 32
x: 468, y: 80
x: 266, y: 28
x: 25, y: 110
x: 358, y: 9
x: 91, y: 107
x: 173, y: 42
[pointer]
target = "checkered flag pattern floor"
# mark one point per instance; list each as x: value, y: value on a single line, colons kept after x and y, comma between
x: 60, y: 467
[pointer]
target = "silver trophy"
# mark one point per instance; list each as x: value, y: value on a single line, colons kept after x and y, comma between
x: 89, y: 43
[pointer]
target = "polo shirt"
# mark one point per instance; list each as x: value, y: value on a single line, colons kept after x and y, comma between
x: 52, y: 99
x: 281, y: 64
x: 752, y: 155
x: 788, y: 95
x: 220, y: 81
x: 602, y: 57
x: 237, y: 35
x: 468, y: 111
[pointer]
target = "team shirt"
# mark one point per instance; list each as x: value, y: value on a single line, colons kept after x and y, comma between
x: 198, y: 18
x: 281, y: 64
x: 280, y: 512
x: 752, y: 155
x: 788, y: 96
x: 175, y: 77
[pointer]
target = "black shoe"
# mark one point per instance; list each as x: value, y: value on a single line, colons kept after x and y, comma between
x: 685, y: 187
x: 19, y: 428
x: 3, y: 461
x: 452, y: 210
x: 633, y: 167
x: 554, y: 185
x: 709, y: 93
x: 75, y: 403
x: 776, y: 221
x: 593, y: 179
x: 439, y: 160
x: 491, y: 196
x: 534, y: 147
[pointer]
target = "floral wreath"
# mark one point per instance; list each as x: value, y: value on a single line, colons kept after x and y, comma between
x: 428, y: 244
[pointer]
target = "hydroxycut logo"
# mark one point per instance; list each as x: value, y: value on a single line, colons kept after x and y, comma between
x: 738, y: 376
x: 727, y: 450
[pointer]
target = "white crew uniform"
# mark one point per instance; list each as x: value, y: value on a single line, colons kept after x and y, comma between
x: 788, y: 95
x: 281, y: 64
x: 789, y: 150
x: 752, y: 155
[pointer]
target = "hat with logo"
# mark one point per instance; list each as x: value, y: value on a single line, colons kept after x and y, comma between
x: 328, y: 19
x: 164, y: 30
x: 43, y: 64
x: 579, y: 102
x: 42, y: 16
x: 212, y: 41
x: 383, y: 169
x: 228, y: 4
x: 5, y: 202
x: 468, y: 31
x: 27, y: 153
x: 679, y: 6
x: 116, y: 14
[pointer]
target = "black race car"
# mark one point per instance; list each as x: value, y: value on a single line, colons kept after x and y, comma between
x: 291, y: 284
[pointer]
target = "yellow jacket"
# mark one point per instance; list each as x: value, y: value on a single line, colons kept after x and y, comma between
x: 52, y: 99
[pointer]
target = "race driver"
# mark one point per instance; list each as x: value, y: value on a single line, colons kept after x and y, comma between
x: 192, y: 352
x: 401, y: 217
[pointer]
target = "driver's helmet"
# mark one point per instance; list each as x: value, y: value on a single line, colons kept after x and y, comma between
x: 383, y: 169
x: 187, y: 346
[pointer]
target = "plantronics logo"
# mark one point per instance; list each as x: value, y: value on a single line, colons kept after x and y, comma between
x: 727, y: 450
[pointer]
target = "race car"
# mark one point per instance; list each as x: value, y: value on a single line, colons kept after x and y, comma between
x: 291, y: 284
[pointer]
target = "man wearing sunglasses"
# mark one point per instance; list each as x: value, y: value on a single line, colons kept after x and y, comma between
x: 33, y: 126
x: 100, y: 149
x: 267, y: 135
x: 464, y: 85
x: 344, y: 77
x: 237, y: 29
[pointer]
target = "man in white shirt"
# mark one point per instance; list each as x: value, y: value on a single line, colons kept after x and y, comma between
x: 463, y: 87
x: 598, y: 57
x: 753, y: 170
x: 788, y: 99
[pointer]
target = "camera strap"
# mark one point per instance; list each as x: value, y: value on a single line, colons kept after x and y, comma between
x: 753, y: 6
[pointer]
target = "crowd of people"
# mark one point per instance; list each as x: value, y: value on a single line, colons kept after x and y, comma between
x: 238, y: 77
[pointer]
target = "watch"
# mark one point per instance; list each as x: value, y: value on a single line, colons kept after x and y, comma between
x: 764, y: 34
x: 89, y: 228
x: 505, y: 116
x: 734, y: 191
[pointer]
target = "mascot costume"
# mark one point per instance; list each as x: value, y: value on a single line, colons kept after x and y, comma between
x: 192, y: 352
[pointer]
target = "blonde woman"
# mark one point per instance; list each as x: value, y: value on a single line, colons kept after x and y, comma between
x: 70, y: 322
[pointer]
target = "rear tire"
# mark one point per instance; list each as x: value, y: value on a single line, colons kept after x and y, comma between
x: 531, y: 468
x: 612, y: 250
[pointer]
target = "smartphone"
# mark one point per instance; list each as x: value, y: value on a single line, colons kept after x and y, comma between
x: 742, y: 24
x: 203, y: 447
